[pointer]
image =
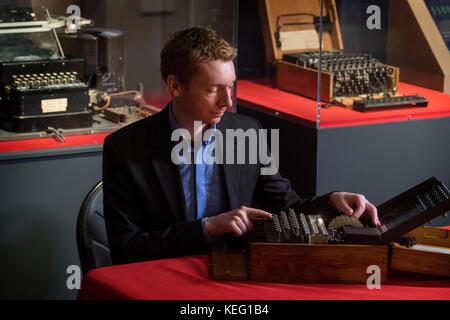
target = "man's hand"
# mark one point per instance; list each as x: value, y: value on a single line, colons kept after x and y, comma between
x: 237, y: 222
x: 354, y: 205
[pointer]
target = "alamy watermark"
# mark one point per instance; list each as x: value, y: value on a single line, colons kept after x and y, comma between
x: 73, y: 282
x: 73, y: 21
x: 374, y: 280
x: 214, y: 151
x: 374, y: 20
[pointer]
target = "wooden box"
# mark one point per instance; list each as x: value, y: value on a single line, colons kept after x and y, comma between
x: 431, y: 255
x: 301, y: 263
x: 289, y: 262
x: 229, y: 265
x: 303, y: 38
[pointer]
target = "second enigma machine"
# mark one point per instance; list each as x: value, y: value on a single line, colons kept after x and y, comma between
x: 40, y: 87
x: 354, y: 80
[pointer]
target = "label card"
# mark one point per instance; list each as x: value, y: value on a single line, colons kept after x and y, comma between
x: 299, y: 40
x: 54, y: 105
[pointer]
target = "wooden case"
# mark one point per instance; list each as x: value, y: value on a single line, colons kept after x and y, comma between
x: 319, y: 263
x: 428, y: 259
x: 301, y: 263
x: 289, y: 76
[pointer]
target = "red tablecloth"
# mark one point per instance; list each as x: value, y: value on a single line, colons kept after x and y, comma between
x: 189, y: 278
x: 262, y: 96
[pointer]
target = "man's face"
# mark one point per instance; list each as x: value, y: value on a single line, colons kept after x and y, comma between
x: 209, y: 93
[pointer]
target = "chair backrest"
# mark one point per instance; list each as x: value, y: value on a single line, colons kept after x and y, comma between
x: 92, y: 241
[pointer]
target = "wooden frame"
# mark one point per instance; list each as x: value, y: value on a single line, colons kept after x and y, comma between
x: 415, y: 45
x: 429, y: 262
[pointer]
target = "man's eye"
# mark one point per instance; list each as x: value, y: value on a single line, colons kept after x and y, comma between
x: 211, y: 90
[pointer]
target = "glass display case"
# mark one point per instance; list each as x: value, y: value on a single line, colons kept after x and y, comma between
x: 118, y: 44
x: 26, y: 34
x: 356, y: 61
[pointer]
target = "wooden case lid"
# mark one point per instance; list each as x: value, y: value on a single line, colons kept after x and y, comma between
x: 278, y: 16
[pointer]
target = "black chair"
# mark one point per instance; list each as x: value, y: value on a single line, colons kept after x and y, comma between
x: 91, y: 232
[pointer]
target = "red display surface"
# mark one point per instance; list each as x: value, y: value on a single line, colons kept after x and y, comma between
x: 158, y: 101
x: 262, y: 96
x: 50, y: 143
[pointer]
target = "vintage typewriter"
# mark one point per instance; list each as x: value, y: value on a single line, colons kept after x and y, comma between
x: 398, y: 216
x: 40, y: 88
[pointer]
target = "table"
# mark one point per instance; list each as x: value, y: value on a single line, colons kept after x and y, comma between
x: 190, y: 278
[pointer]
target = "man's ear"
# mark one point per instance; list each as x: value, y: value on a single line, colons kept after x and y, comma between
x: 174, y: 86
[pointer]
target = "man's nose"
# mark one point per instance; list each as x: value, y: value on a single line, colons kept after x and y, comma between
x: 226, y: 99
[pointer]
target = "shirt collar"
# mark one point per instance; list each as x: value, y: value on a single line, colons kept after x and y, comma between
x: 174, y: 125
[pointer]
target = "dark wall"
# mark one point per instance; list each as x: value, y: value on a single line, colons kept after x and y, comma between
x: 356, y: 36
x: 146, y: 32
x: 384, y: 160
x: 251, y: 52
x: 377, y: 160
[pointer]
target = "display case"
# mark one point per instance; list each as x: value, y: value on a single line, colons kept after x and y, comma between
x: 349, y: 116
x: 339, y: 55
x: 117, y: 47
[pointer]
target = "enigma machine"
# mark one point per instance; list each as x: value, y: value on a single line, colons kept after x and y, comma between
x: 399, y: 215
x: 354, y: 80
x: 39, y: 86
x: 324, y: 246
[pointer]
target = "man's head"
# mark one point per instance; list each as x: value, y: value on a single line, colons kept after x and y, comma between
x: 197, y: 66
x: 187, y: 49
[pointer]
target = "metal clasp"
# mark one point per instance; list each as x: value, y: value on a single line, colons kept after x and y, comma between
x: 58, y: 134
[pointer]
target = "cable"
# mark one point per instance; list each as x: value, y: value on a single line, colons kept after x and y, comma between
x: 106, y: 105
x: 108, y: 98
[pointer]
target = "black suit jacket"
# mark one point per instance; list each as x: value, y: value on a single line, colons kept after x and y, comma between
x: 144, y: 201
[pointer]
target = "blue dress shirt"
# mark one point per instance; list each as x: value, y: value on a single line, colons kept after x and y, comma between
x: 203, y: 184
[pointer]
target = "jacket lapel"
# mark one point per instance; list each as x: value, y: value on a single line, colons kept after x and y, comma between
x: 167, y: 172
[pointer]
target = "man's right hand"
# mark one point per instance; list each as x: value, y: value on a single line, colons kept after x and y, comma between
x: 237, y: 221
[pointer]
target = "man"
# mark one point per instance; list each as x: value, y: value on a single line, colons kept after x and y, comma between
x: 156, y: 207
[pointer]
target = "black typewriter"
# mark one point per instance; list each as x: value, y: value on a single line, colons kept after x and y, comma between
x: 398, y: 216
x: 39, y: 86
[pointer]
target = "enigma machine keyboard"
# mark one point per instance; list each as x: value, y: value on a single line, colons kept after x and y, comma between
x: 358, y: 75
x: 398, y: 216
x: 39, y: 86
